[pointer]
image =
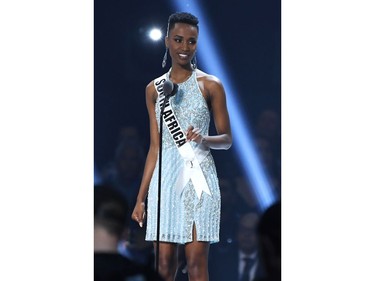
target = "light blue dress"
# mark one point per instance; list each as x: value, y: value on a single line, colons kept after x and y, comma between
x: 181, y: 210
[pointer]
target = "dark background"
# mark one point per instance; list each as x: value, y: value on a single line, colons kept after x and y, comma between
x: 247, y: 33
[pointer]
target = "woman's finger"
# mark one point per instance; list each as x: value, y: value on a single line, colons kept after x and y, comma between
x: 143, y: 218
x: 197, y: 131
x: 189, y: 130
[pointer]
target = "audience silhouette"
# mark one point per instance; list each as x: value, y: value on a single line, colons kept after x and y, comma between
x: 269, y: 232
x: 110, y: 223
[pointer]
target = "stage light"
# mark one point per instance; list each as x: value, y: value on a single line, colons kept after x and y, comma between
x: 155, y: 34
x: 243, y: 142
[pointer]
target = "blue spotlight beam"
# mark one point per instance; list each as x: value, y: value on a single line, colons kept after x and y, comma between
x: 243, y: 142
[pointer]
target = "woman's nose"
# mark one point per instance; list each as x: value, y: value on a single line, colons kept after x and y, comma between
x: 185, y: 46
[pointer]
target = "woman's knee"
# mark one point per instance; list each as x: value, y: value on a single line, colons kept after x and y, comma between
x: 196, y: 264
x: 197, y: 259
x: 167, y: 264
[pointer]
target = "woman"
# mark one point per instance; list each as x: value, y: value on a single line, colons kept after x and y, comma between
x: 190, y: 194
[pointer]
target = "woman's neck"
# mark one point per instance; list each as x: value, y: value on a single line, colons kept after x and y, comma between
x: 180, y: 75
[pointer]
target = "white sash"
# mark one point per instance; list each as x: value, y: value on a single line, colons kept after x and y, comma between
x: 192, y: 157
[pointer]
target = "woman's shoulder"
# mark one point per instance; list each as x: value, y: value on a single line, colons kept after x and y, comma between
x: 206, y: 77
x: 151, y: 84
x: 209, y: 80
x: 151, y: 91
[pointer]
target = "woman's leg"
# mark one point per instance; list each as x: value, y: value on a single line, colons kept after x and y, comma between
x: 197, y: 259
x: 167, y: 260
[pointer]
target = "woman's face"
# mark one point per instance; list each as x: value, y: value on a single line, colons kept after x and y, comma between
x: 182, y: 43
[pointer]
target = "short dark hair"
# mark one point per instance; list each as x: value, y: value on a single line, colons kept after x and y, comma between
x: 110, y: 209
x: 182, y: 17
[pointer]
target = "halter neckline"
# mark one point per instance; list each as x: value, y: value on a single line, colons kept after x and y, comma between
x: 185, y: 80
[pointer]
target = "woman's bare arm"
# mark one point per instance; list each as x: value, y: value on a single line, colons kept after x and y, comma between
x: 214, y: 91
x: 139, y: 209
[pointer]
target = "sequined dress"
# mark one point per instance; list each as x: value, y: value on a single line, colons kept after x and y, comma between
x: 181, y: 210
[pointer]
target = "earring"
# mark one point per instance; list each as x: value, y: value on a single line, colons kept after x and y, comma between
x: 194, y: 62
x: 163, y: 64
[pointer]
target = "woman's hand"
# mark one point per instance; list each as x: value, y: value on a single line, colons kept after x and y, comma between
x: 139, y: 213
x: 194, y: 134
